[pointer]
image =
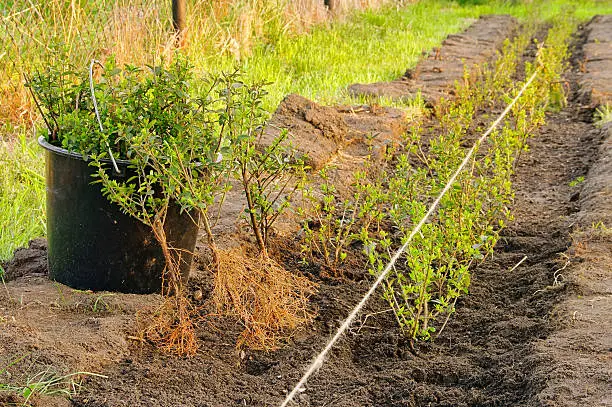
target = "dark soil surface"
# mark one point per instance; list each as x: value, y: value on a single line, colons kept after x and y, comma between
x: 522, y: 337
x: 578, y: 353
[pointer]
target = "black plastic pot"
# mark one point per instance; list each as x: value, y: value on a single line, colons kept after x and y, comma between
x: 92, y: 244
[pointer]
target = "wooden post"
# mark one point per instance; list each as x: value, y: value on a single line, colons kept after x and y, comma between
x: 179, y: 20
x: 332, y: 5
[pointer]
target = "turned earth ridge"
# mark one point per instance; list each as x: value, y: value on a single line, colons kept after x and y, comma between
x: 321, y: 133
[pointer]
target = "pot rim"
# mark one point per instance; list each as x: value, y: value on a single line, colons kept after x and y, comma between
x: 42, y: 141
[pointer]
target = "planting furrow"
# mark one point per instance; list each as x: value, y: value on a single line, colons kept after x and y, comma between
x: 488, y: 354
x: 435, y: 76
x: 578, y: 366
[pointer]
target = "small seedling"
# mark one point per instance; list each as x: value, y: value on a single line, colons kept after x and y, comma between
x: 603, y: 115
x: 423, y: 289
x: 329, y: 227
x: 269, y: 175
x: 577, y: 181
x: 100, y: 305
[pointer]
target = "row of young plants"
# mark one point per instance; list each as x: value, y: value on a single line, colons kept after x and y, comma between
x: 387, y: 201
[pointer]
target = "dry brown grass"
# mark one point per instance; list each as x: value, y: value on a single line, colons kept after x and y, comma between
x: 16, y: 106
x: 270, y: 301
x: 235, y: 26
x: 139, y: 32
x: 136, y: 34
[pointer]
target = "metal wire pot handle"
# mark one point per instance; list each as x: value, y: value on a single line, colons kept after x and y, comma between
x: 95, y: 103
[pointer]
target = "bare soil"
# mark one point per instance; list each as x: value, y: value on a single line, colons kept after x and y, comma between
x: 320, y: 133
x: 534, y: 335
x: 596, y: 80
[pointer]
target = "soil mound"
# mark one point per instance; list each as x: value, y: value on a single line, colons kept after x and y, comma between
x: 435, y: 76
x: 596, y: 195
x: 320, y: 133
x: 579, y: 367
x: 596, y: 83
x: 314, y: 131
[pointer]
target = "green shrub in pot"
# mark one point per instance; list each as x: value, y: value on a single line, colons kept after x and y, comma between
x: 167, y: 127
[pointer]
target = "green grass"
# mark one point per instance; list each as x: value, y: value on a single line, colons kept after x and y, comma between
x: 370, y: 47
x: 366, y: 47
x: 374, y: 46
x: 22, y: 194
x: 45, y: 383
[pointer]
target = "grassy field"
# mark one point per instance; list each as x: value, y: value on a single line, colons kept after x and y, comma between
x: 22, y: 194
x: 295, y: 45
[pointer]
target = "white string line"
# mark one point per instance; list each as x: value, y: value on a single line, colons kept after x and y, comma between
x: 318, y: 362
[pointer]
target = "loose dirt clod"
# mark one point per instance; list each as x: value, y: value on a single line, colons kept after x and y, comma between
x: 320, y: 133
x: 28, y: 261
x: 315, y: 131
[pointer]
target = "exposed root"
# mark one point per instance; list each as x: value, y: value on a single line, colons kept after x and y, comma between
x: 270, y: 301
x: 172, y: 327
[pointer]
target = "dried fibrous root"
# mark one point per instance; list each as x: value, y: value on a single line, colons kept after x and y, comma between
x: 172, y: 326
x: 270, y: 301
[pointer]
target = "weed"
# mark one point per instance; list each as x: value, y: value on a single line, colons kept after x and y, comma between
x: 603, y: 115
x: 600, y: 227
x: 100, y: 305
x: 576, y: 181
x: 45, y: 383
x: 62, y: 301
